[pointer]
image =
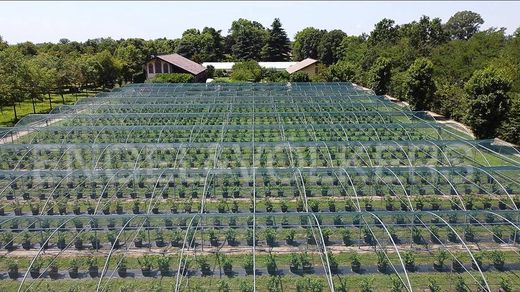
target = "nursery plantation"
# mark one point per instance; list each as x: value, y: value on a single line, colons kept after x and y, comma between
x: 254, y: 187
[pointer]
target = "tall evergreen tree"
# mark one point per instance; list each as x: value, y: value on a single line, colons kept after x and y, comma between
x: 277, y: 47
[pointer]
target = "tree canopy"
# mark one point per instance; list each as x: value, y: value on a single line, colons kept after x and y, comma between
x: 277, y: 46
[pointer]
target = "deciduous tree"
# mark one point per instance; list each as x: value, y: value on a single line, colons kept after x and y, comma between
x: 488, y: 101
x: 419, y: 84
x: 463, y: 25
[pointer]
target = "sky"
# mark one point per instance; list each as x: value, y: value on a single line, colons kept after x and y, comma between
x: 78, y: 21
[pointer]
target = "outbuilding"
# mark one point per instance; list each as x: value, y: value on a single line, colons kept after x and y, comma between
x: 174, y: 63
x: 308, y: 66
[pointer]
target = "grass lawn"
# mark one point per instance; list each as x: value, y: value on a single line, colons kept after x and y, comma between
x: 42, y: 106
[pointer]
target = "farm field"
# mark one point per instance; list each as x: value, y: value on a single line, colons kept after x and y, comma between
x: 253, y: 187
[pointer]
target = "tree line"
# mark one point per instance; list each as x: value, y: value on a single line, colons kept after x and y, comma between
x: 453, y: 67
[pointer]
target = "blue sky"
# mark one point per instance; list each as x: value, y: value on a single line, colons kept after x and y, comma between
x: 50, y: 21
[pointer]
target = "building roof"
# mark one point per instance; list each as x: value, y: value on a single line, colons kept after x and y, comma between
x: 183, y: 63
x: 267, y: 65
x: 300, y: 65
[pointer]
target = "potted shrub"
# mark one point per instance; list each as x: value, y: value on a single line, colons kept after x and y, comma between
x: 138, y: 241
x: 305, y: 261
x: 368, y: 205
x: 272, y: 269
x: 121, y: 269
x: 295, y: 263
x: 289, y: 239
x: 270, y: 237
x: 231, y: 237
x: 382, y: 262
x: 497, y: 234
x: 268, y: 205
x: 34, y: 271
x: 355, y: 264
x: 333, y: 263
x: 227, y: 265
x: 12, y: 269
x: 205, y: 268
x: 73, y: 268
x: 61, y: 241
x: 146, y: 264
x: 213, y: 239
x: 176, y: 239
x: 234, y: 207
x: 78, y: 242
x: 498, y: 259
x: 348, y: 206
x: 248, y: 265
x: 26, y: 241
x: 315, y: 206
x: 477, y: 263
x: 92, y: 267
x: 284, y: 206
x: 112, y: 238
x: 94, y: 240
x: 389, y: 203
x: 163, y: 263
x: 409, y: 261
x: 332, y: 206
x: 159, y: 239
x: 53, y: 270
x: 135, y: 207
x: 419, y: 203
x: 457, y: 266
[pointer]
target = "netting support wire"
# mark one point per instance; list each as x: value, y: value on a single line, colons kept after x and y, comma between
x: 181, y: 269
x: 41, y: 249
x: 322, y: 248
x: 409, y: 286
x: 105, y: 266
x: 467, y: 249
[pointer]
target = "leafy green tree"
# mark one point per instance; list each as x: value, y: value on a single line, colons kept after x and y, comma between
x: 306, y: 43
x: 510, y: 129
x: 3, y: 44
x: 385, y: 32
x: 341, y: 71
x: 277, y: 47
x: 132, y: 60
x: 108, y: 69
x: 419, y: 84
x: 425, y: 34
x: 299, y: 77
x: 248, y: 39
x: 329, y: 49
x: 380, y: 75
x: 463, y: 25
x: 488, y: 101
x: 247, y: 71
x: 13, y: 77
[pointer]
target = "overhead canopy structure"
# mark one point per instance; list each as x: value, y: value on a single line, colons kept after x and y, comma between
x: 245, y: 173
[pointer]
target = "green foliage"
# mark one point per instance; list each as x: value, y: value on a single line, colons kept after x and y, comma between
x: 247, y: 71
x: 277, y: 45
x: 419, y: 84
x: 248, y: 39
x: 450, y: 101
x: 306, y: 43
x: 309, y: 285
x: 198, y: 46
x: 341, y: 71
x: 172, y: 78
x: 329, y: 48
x: 380, y: 75
x: 385, y: 31
x: 271, y: 75
x: 488, y: 101
x: 463, y: 25
x: 510, y: 129
x: 299, y: 77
